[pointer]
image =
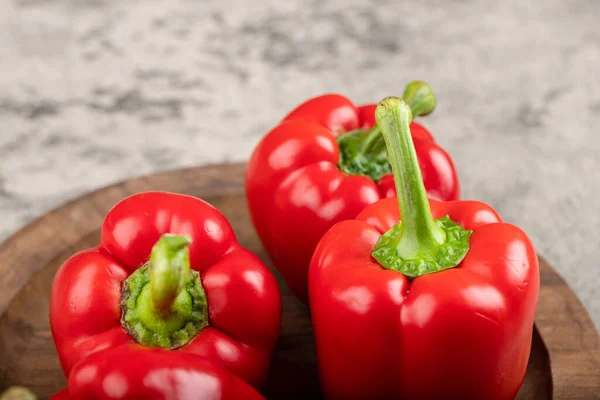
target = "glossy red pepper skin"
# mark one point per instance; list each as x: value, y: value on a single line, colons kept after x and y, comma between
x: 136, y: 372
x: 244, y: 302
x: 296, y: 192
x: 462, y: 333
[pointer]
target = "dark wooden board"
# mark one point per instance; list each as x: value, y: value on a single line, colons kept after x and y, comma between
x: 564, y: 363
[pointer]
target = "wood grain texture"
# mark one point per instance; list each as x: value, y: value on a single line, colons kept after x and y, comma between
x: 564, y: 363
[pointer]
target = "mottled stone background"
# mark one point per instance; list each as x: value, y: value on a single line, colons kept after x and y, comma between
x: 96, y: 91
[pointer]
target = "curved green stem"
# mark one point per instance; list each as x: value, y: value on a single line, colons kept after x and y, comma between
x: 420, y: 98
x: 371, y: 142
x: 169, y: 270
x: 163, y: 302
x: 364, y: 153
x: 419, y: 231
x: 418, y: 244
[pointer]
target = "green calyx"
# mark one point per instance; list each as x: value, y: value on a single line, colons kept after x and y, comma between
x: 456, y: 243
x: 164, y: 304
x: 355, y: 161
x: 364, y: 152
x: 418, y: 244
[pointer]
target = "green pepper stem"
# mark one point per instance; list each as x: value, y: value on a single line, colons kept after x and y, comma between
x: 421, y: 100
x: 420, y: 234
x: 163, y: 302
x: 372, y: 141
x: 169, y: 270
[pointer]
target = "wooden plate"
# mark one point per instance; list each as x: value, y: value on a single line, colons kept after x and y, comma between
x: 564, y: 362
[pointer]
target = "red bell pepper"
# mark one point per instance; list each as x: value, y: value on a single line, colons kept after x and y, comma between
x: 137, y: 286
x: 135, y: 372
x: 323, y: 164
x: 439, y: 305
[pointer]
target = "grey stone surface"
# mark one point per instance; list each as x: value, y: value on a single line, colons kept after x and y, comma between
x: 95, y: 91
